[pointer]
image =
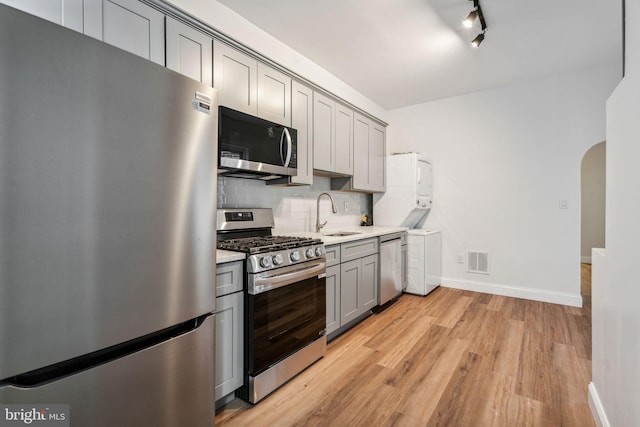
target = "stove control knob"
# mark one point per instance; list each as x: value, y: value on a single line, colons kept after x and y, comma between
x: 319, y: 251
x: 277, y: 259
x: 309, y: 253
x: 265, y: 262
x: 295, y: 256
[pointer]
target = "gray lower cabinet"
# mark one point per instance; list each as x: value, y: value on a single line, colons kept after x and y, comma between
x: 358, y: 287
x: 229, y: 348
x: 67, y: 13
x: 333, y: 298
x: 352, y: 282
x: 189, y: 52
x: 128, y: 24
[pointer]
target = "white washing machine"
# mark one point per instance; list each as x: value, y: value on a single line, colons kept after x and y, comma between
x: 424, y: 253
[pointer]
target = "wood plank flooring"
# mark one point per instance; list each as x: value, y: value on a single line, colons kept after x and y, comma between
x: 453, y: 358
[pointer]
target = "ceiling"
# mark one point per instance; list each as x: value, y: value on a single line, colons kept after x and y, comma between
x: 405, y: 52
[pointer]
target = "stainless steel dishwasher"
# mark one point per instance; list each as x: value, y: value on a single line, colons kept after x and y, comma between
x: 391, y: 265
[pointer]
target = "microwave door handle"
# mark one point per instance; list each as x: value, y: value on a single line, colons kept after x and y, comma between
x: 289, y: 146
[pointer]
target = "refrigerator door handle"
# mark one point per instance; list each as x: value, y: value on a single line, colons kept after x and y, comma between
x: 57, y: 371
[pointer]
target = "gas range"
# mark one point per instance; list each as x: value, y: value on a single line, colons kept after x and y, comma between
x: 285, y: 310
x: 269, y: 252
x: 249, y: 231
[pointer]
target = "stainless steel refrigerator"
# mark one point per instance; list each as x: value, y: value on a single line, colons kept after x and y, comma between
x: 107, y: 236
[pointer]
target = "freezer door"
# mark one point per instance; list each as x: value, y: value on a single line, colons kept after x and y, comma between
x: 167, y: 385
x: 107, y: 195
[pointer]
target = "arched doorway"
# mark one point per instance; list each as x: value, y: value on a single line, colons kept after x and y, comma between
x: 593, y: 193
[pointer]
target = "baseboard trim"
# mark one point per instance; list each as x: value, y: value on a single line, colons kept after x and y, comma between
x: 574, y: 300
x: 597, y: 410
x: 585, y: 260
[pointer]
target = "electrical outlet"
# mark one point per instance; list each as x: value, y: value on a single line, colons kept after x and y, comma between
x: 460, y: 258
x: 563, y: 204
x: 346, y: 206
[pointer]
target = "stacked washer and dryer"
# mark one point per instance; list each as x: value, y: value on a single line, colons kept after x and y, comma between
x: 406, y: 203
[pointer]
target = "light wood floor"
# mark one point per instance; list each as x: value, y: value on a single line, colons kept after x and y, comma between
x: 453, y: 358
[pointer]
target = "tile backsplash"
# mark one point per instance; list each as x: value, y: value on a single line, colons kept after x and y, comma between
x: 294, y: 208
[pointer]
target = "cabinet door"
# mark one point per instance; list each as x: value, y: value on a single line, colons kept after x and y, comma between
x: 302, y: 121
x: 368, y: 283
x: 377, y: 141
x: 274, y: 95
x: 343, y: 140
x: 323, y: 132
x: 361, y: 136
x: 368, y: 149
x: 350, y: 278
x: 67, y: 13
x: 333, y: 298
x: 235, y: 77
x: 189, y: 52
x: 229, y: 344
x: 229, y: 278
x: 127, y: 24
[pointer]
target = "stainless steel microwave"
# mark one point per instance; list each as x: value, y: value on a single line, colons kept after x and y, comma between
x: 251, y: 147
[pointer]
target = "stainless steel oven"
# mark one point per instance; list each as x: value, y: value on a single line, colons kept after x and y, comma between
x: 285, y: 300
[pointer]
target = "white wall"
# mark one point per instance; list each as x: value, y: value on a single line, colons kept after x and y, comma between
x: 593, y: 196
x: 615, y: 289
x: 502, y: 161
x: 233, y: 25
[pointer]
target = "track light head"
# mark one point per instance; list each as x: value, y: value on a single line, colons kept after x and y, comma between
x: 476, y: 42
x: 471, y: 17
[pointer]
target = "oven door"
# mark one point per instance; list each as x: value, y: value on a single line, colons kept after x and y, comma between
x: 286, y: 311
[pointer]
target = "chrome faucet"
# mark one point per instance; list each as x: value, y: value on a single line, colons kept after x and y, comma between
x: 333, y: 206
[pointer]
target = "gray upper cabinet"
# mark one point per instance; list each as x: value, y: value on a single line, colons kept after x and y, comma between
x: 332, y: 136
x: 274, y: 95
x: 235, y: 77
x: 323, y: 133
x: 302, y: 121
x: 344, y: 140
x: 127, y: 24
x: 189, y: 51
x: 369, y: 147
x: 67, y: 13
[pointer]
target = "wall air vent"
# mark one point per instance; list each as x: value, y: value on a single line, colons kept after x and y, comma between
x: 478, y: 262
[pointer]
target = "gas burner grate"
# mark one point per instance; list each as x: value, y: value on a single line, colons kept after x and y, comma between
x: 254, y: 245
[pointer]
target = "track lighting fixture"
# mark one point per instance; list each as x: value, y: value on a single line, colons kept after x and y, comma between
x: 476, y: 42
x: 470, y: 19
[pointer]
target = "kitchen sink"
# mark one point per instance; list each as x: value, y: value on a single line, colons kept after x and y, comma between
x: 342, y: 233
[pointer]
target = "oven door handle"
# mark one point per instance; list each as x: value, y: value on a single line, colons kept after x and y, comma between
x: 260, y: 284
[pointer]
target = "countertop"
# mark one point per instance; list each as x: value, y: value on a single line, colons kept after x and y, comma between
x: 228, y: 256
x: 363, y: 233
x: 223, y: 256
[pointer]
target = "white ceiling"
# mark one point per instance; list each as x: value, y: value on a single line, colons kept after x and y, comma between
x: 405, y: 52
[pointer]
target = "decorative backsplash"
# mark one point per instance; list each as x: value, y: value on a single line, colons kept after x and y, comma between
x: 294, y: 208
